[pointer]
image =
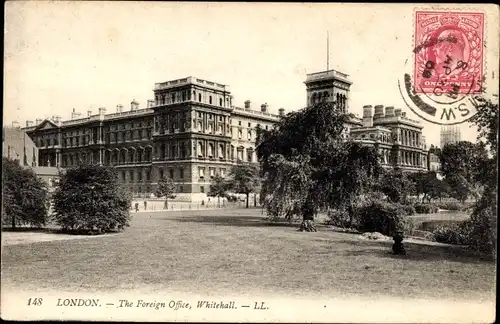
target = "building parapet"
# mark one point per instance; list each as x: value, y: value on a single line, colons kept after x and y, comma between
x: 327, y: 74
x: 248, y: 111
x: 145, y: 111
x: 191, y: 80
x: 397, y: 119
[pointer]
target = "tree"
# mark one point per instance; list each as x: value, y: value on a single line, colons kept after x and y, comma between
x: 24, y: 196
x: 166, y: 188
x: 428, y: 185
x: 486, y: 120
x: 396, y: 185
x: 243, y: 179
x: 89, y: 199
x: 308, y: 164
x: 464, y: 162
x: 484, y: 215
x: 219, y: 188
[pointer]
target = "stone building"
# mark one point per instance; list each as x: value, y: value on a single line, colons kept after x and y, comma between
x: 190, y: 132
x: 399, y: 140
x: 450, y: 134
x: 18, y: 146
x: 331, y: 86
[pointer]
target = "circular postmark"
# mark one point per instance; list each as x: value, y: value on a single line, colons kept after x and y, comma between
x: 444, y: 76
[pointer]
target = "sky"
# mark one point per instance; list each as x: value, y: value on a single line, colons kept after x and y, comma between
x: 86, y: 55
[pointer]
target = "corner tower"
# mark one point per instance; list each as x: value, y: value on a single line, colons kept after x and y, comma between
x: 331, y: 85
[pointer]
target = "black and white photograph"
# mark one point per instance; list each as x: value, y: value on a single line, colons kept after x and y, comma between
x: 249, y: 162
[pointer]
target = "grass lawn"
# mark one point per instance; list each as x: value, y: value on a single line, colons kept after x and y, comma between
x: 235, y: 252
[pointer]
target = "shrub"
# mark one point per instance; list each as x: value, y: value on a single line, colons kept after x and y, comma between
x: 453, y: 206
x: 24, y: 196
x: 426, y: 208
x: 383, y: 217
x: 339, y: 218
x: 453, y: 234
x: 407, y: 209
x: 483, y: 223
x: 89, y: 200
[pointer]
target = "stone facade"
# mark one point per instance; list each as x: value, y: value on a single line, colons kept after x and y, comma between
x: 190, y: 132
x: 398, y: 139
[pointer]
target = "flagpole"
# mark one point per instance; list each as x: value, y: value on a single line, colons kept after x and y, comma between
x: 327, y: 50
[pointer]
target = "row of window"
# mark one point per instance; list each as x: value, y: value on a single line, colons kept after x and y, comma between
x: 132, y: 175
x: 211, y: 172
x: 170, y: 98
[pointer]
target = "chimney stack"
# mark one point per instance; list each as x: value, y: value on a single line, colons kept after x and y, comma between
x: 397, y: 112
x: 74, y: 114
x: 263, y: 107
x: 281, y: 111
x: 134, y: 105
x: 38, y: 121
x: 379, y: 112
x: 15, y: 124
x: 89, y: 113
x: 247, y: 104
x: 389, y: 111
x: 102, y: 111
x: 151, y: 103
x: 56, y: 119
x: 29, y: 123
x: 367, y: 116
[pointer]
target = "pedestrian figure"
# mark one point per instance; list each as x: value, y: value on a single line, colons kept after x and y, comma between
x: 136, y: 207
x: 145, y: 204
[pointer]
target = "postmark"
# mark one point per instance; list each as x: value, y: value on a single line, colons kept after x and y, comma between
x: 445, y: 71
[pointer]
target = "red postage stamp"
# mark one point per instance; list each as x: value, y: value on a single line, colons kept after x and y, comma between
x: 448, y: 52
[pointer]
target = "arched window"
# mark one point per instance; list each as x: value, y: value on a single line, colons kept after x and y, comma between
x: 313, y: 98
x: 210, y: 150
x: 210, y: 99
x: 199, y: 97
x: 220, y: 102
x: 325, y: 96
x: 173, y: 97
x: 221, y: 151
x: 200, y: 149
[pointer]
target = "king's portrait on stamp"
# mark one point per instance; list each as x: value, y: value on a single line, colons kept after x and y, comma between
x: 249, y: 162
x: 448, y: 66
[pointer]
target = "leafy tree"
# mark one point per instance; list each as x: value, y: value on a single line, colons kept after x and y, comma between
x: 308, y: 165
x: 244, y: 179
x: 429, y: 186
x: 24, y: 196
x: 484, y: 215
x: 466, y: 161
x: 486, y: 120
x: 396, y: 185
x: 166, y: 188
x: 89, y: 199
x: 219, y: 188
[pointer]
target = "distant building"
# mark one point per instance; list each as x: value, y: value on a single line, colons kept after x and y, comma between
x: 398, y: 139
x: 450, y: 134
x: 18, y: 146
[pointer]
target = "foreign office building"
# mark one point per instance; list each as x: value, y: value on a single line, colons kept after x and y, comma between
x: 191, y: 131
